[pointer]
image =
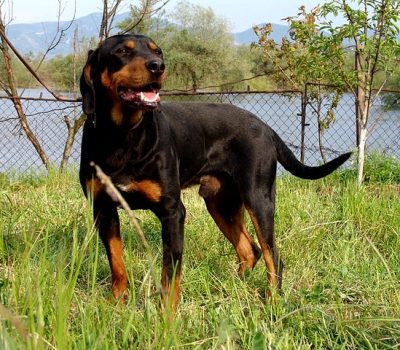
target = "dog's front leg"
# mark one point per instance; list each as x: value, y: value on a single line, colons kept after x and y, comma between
x: 172, y: 221
x: 107, y: 222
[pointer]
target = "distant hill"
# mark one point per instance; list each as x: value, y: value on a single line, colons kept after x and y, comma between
x: 248, y: 36
x: 35, y: 37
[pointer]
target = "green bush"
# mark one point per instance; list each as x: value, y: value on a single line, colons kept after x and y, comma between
x: 379, y: 168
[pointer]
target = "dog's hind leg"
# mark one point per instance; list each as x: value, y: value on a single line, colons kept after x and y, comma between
x: 261, y: 208
x: 226, y: 208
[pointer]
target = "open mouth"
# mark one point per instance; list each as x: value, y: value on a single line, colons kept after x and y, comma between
x: 144, y: 97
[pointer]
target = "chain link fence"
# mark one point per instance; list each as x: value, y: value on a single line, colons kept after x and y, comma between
x: 330, y: 124
x: 47, y: 120
x: 294, y: 116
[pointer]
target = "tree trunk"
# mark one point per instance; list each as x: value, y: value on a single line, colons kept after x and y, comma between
x: 364, y: 107
x: 361, y: 155
x: 17, y: 102
x: 72, y: 130
x: 321, y: 127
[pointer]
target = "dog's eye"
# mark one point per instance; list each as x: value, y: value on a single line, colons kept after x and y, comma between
x: 122, y: 50
x: 158, y: 51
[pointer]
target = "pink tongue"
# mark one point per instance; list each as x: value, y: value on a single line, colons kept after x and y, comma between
x: 150, y: 97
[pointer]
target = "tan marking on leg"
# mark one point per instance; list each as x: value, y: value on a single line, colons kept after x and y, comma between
x: 170, y: 296
x: 113, y: 245
x: 118, y: 272
x: 245, y: 251
x: 209, y: 186
x: 236, y: 232
x: 266, y: 250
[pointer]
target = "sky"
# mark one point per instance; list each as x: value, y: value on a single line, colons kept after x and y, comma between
x: 241, y: 14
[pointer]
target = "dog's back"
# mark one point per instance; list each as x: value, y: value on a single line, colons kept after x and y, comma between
x: 238, y: 135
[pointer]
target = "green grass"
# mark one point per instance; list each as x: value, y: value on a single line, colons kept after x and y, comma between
x: 340, y: 245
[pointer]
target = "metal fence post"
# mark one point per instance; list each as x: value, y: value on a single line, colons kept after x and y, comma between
x: 304, y: 99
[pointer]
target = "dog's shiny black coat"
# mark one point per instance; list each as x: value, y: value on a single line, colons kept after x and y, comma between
x: 152, y: 153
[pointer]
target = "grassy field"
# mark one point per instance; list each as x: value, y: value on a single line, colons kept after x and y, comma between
x: 340, y: 245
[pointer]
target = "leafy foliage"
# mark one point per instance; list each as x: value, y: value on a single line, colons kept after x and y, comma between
x: 318, y: 51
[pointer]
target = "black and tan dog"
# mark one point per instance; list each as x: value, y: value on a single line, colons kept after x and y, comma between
x: 151, y: 151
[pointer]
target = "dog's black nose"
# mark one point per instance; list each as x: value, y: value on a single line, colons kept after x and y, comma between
x: 156, y: 67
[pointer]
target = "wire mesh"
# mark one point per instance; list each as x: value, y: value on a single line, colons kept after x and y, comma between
x: 281, y: 110
x: 340, y: 135
x: 46, y: 119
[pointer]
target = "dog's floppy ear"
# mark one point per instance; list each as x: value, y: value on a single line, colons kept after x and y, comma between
x: 86, y: 84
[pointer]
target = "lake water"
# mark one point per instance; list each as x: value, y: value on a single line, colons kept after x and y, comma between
x: 280, y: 111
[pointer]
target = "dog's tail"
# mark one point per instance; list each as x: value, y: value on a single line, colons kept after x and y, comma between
x: 290, y: 162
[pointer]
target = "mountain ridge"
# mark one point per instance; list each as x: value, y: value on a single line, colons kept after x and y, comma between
x: 35, y: 37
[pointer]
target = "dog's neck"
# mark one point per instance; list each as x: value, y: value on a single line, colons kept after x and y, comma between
x: 121, y: 115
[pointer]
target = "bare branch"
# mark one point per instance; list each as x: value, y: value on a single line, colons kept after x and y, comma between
x: 146, y: 12
x: 358, y: 46
x: 141, y: 18
x: 16, y: 100
x: 109, y: 12
x: 28, y: 66
x: 60, y: 33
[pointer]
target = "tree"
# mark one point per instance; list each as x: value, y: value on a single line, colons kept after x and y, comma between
x: 144, y: 17
x: 8, y: 84
x: 140, y: 15
x: 294, y: 63
x: 372, y: 28
x: 8, y: 81
x: 198, y: 47
x: 370, y: 32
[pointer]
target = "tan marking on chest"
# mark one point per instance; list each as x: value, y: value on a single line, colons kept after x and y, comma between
x: 148, y: 188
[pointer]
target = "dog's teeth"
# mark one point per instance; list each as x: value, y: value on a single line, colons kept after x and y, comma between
x: 149, y: 99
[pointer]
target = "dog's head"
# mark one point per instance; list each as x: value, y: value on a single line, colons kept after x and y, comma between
x: 127, y: 69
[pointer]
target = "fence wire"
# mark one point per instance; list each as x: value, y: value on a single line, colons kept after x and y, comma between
x: 282, y: 110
